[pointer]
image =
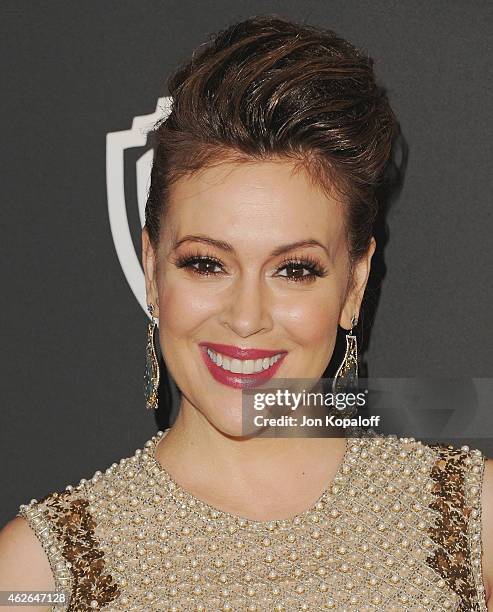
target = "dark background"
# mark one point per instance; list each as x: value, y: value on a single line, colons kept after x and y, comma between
x: 73, y: 333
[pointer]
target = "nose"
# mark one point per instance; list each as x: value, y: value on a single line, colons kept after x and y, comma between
x: 248, y: 308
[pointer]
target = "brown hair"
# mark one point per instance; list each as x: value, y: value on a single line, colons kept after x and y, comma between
x: 268, y: 88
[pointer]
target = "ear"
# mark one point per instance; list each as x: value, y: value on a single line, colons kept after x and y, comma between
x: 149, y: 264
x: 358, y: 282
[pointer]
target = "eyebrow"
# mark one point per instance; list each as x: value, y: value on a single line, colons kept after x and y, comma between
x: 226, y: 246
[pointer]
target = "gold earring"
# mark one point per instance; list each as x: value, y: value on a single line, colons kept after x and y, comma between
x: 346, y: 377
x: 151, y: 375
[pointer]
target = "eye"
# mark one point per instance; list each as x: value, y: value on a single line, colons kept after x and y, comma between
x: 200, y: 264
x: 301, y: 270
x: 297, y: 270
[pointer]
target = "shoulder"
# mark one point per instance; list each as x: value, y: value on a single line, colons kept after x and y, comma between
x: 463, y: 490
x: 20, y: 550
x: 35, y: 546
x: 455, y: 487
x: 487, y: 528
x: 38, y: 546
x: 52, y: 536
x: 23, y: 562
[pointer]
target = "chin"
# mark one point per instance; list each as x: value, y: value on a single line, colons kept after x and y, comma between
x: 229, y: 423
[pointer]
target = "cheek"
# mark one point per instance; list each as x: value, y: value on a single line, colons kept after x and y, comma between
x: 183, y: 308
x: 310, y: 321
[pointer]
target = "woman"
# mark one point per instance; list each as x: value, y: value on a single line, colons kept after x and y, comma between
x: 257, y: 245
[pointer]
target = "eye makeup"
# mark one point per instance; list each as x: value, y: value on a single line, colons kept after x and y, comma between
x: 299, y: 268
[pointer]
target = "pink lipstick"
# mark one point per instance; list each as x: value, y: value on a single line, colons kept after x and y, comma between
x: 240, y: 367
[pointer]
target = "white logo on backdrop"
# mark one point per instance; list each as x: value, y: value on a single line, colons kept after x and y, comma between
x: 116, y: 145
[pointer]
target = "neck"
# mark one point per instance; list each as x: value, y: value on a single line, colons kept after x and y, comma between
x: 195, y: 451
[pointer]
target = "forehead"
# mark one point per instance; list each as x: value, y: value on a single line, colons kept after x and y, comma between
x: 259, y: 203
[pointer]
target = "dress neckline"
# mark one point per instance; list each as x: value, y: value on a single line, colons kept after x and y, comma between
x: 187, y: 501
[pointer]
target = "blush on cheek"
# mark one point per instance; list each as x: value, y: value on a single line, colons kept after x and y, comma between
x: 183, y: 309
x: 312, y: 325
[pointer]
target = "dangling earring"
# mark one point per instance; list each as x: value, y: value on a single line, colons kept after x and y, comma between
x: 151, y: 376
x: 346, y: 377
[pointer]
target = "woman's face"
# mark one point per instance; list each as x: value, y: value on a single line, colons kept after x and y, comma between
x: 252, y: 268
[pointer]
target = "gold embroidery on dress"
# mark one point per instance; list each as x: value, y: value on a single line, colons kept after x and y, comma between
x: 73, y: 526
x: 43, y: 529
x: 456, y: 555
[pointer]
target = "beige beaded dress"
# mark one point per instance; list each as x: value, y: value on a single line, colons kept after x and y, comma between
x: 399, y: 528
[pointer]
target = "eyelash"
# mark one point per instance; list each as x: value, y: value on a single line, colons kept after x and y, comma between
x: 307, y: 262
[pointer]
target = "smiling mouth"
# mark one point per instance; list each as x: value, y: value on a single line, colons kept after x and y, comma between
x: 242, y: 366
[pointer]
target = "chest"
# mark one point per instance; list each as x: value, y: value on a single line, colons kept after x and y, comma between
x: 347, y: 553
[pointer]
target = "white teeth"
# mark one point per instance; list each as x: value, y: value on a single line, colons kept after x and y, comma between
x: 236, y: 366
x: 242, y: 366
x: 248, y: 366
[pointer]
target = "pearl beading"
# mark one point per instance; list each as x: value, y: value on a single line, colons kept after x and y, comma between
x: 364, y: 545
